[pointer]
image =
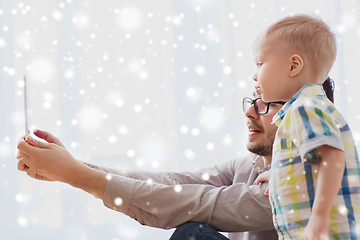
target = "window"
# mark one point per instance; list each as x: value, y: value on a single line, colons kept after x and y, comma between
x: 139, y: 85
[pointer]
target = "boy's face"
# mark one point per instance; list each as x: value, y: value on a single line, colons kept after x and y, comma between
x: 272, y: 70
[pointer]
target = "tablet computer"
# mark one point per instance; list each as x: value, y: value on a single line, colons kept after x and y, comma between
x: 26, y: 108
x: 29, y: 129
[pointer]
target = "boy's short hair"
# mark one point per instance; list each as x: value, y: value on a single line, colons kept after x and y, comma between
x: 309, y: 35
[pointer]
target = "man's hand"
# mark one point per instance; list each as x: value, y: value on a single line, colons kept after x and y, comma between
x: 21, y: 164
x: 23, y: 167
x: 46, y: 161
x: 50, y: 161
x: 48, y: 137
x: 317, y: 228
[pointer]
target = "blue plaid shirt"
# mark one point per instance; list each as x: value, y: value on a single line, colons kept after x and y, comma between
x: 309, y: 120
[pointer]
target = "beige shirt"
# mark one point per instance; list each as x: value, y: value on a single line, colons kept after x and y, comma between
x: 223, y: 197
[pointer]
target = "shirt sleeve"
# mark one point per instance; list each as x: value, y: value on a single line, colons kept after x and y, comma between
x: 312, y: 127
x: 238, y: 207
x: 221, y: 175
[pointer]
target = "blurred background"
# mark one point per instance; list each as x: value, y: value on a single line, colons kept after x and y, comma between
x: 151, y: 85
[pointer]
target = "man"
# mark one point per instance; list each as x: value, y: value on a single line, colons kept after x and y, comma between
x: 222, y: 197
x: 260, y: 139
x: 198, y: 231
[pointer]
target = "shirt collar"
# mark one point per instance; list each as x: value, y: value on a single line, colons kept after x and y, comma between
x: 309, y: 90
x: 258, y: 165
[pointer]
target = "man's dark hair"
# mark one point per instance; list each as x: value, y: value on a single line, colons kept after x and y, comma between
x: 329, y: 87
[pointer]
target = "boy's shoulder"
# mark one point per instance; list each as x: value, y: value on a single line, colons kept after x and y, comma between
x: 314, y: 103
x: 310, y: 99
x: 315, y: 107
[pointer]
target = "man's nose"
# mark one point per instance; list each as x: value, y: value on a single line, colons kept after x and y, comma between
x: 251, y: 113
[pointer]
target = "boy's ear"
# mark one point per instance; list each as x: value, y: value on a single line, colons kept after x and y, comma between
x: 296, y: 65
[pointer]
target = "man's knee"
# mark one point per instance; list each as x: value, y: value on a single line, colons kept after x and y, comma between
x: 191, y: 226
x: 195, y: 230
x: 187, y: 229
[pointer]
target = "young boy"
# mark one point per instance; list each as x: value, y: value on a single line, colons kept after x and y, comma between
x: 315, y: 179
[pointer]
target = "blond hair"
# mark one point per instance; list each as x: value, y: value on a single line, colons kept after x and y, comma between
x: 309, y: 35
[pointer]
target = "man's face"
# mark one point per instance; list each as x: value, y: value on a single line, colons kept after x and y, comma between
x: 261, y: 133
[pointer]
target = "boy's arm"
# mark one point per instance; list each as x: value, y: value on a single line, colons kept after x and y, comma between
x: 329, y: 181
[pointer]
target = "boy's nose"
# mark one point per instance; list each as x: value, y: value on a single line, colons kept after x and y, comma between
x: 255, y: 77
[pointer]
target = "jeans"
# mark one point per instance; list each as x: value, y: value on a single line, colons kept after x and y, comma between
x: 196, y: 231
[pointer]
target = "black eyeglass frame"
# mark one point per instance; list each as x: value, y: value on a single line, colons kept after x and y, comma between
x: 253, y: 101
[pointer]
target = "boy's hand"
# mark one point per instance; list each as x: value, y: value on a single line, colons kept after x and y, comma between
x: 264, y: 177
x: 317, y: 228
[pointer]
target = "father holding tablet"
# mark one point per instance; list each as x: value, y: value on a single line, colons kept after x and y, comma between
x: 222, y: 198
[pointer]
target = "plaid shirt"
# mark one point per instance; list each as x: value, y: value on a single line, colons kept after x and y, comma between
x: 309, y: 120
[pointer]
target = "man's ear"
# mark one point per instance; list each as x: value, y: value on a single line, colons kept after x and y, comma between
x: 296, y: 65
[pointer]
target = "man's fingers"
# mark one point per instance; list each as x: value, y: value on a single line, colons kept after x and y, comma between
x: 26, y: 160
x: 24, y: 147
x: 36, y: 143
x: 37, y: 176
x: 31, y: 146
x: 21, y: 155
x: 31, y: 173
x: 22, y: 166
x: 22, y: 138
x: 48, y: 137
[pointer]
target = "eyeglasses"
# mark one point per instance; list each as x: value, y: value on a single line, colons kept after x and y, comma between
x: 260, y: 106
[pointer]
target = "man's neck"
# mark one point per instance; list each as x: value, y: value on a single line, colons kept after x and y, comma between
x: 267, y: 160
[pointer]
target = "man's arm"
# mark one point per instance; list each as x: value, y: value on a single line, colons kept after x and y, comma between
x: 221, y: 175
x: 234, y: 208
x: 238, y: 207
